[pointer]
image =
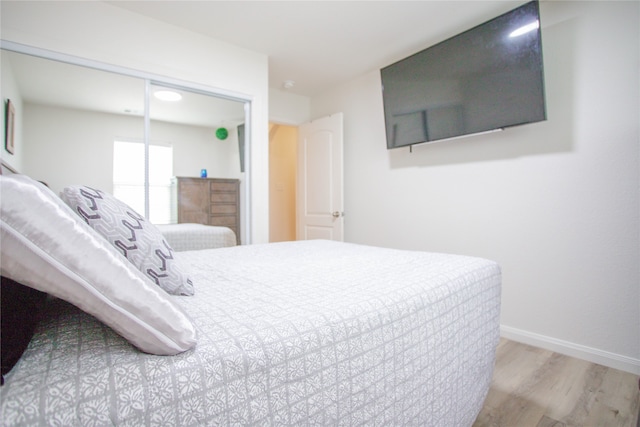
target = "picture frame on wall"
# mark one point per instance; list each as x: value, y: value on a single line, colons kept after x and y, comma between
x: 9, y: 131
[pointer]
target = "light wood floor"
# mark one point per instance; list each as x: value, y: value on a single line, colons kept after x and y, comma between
x: 533, y: 387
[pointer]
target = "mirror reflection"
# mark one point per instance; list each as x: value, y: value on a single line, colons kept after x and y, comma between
x: 86, y: 126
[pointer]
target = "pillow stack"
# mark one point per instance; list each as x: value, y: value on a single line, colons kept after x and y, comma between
x: 119, y: 272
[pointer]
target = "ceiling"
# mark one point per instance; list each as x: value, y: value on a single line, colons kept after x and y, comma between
x: 82, y: 88
x: 322, y: 44
x: 317, y: 44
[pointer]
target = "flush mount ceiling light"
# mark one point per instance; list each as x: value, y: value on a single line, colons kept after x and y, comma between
x: 167, y: 95
x: 288, y: 84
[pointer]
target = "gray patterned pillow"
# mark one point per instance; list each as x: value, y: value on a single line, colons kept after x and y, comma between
x: 136, y: 238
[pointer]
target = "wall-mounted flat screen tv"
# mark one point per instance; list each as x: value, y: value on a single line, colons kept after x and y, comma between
x: 489, y: 77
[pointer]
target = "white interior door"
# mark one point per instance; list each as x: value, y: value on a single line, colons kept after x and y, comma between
x: 320, y: 201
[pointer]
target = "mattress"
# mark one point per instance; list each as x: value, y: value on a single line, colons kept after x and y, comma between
x: 294, y: 333
x: 189, y: 237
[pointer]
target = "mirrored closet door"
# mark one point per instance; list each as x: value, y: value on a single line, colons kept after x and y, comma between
x: 115, y: 132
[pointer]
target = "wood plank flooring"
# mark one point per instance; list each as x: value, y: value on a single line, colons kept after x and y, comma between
x: 533, y: 387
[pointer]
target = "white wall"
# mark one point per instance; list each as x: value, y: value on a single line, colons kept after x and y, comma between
x: 555, y: 203
x: 288, y: 108
x: 196, y: 147
x: 101, y: 32
x: 10, y: 91
x: 65, y: 146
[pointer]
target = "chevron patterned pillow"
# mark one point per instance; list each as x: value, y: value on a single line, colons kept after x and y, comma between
x: 136, y: 238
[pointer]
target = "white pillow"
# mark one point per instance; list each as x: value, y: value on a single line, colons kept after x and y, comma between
x: 46, y: 246
x: 132, y: 235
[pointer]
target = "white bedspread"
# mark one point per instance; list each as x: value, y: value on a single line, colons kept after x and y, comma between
x: 191, y: 237
x: 297, y: 333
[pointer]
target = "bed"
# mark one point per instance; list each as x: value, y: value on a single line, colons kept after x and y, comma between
x: 189, y: 236
x: 294, y: 333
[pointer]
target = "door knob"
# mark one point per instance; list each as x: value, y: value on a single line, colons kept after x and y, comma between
x: 336, y: 214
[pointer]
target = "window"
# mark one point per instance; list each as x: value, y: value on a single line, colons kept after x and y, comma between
x: 128, y: 179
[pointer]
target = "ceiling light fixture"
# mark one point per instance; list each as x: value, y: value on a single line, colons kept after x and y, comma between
x: 288, y: 84
x: 167, y: 95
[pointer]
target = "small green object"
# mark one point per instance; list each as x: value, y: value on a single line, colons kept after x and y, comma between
x: 222, y: 133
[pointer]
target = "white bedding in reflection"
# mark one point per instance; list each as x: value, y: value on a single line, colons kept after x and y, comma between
x: 190, y: 237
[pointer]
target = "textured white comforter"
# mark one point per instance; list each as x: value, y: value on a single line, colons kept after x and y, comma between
x: 298, y: 333
x: 190, y: 237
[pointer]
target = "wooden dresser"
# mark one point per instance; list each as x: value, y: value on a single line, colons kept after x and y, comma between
x: 210, y: 201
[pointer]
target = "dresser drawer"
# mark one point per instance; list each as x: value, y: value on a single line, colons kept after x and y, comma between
x: 222, y: 187
x: 224, y: 197
x: 224, y: 209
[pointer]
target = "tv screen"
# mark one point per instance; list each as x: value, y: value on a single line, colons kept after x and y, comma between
x: 241, y: 145
x: 489, y: 77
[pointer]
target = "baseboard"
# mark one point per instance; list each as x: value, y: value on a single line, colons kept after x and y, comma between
x: 612, y: 360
